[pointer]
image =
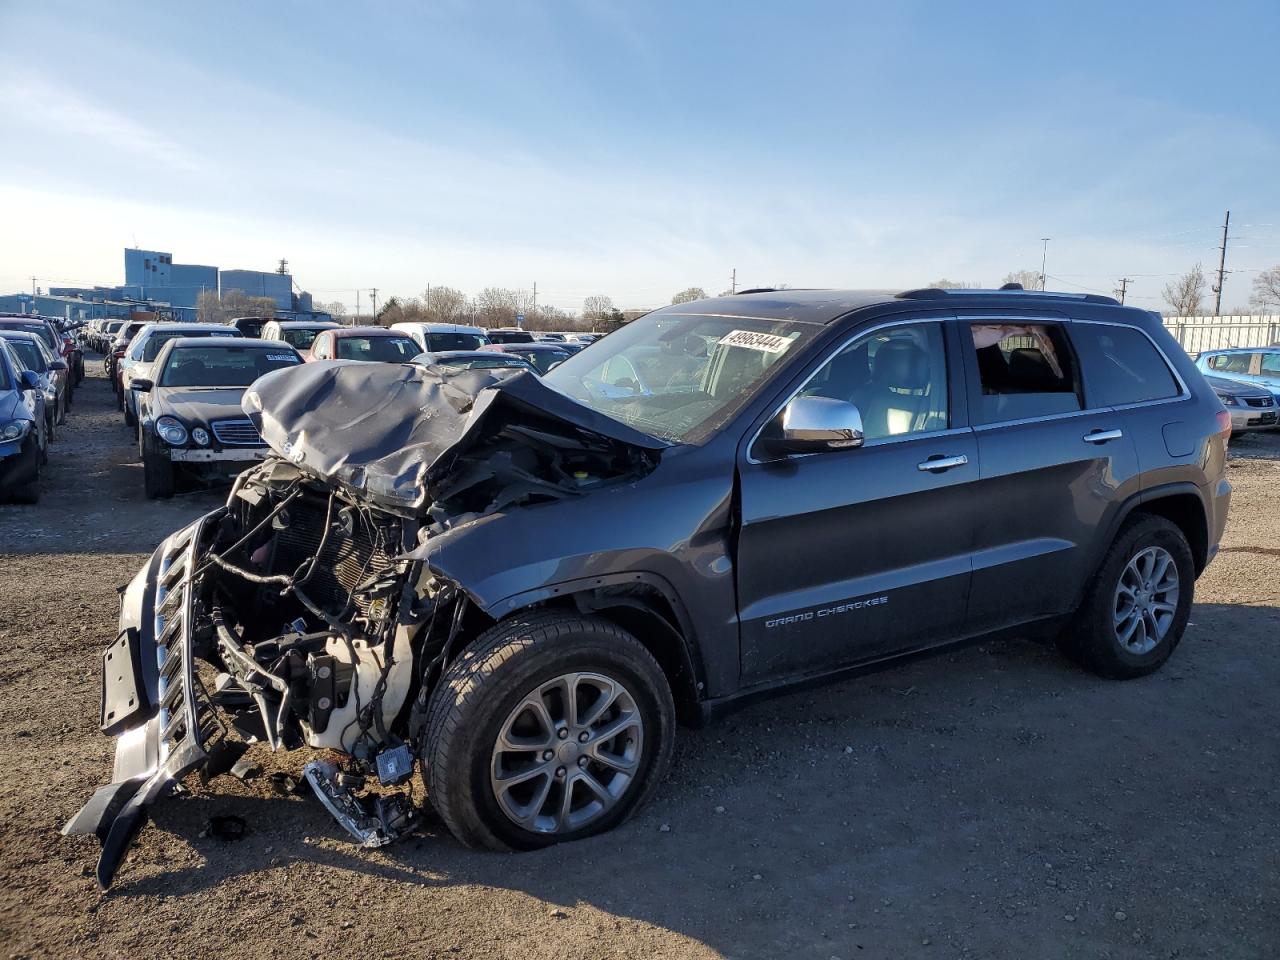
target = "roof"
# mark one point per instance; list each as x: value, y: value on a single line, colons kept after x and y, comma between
x: 436, y: 327
x: 824, y: 306
x: 194, y: 327
x: 502, y: 355
x: 12, y: 334
x: 536, y: 346
x: 369, y: 332
x: 1239, y: 349
x: 304, y: 324
x: 226, y: 342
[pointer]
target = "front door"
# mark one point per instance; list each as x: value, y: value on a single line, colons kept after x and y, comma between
x: 849, y: 555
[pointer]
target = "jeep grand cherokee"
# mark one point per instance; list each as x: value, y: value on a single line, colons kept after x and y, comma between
x: 518, y: 585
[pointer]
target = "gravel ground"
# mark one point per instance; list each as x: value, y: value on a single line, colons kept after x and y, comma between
x: 990, y: 803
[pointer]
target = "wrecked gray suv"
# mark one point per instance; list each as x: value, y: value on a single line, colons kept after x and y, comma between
x: 517, y: 586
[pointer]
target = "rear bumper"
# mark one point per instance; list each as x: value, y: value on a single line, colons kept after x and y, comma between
x: 1254, y: 418
x: 151, y: 699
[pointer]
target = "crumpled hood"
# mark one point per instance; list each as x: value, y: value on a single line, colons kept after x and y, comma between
x: 198, y: 406
x: 386, y: 430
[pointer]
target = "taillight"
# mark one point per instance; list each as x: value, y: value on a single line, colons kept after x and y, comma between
x: 1224, y: 423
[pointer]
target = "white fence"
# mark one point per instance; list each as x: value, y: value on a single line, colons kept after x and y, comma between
x: 1198, y: 334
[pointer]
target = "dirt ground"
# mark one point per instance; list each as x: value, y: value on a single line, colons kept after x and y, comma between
x: 990, y: 803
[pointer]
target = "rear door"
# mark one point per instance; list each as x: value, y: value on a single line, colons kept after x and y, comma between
x: 1053, y: 470
x: 851, y: 555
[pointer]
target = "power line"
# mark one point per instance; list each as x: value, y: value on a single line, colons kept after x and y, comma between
x: 1124, y: 286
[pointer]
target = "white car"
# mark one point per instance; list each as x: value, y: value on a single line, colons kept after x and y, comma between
x: 298, y: 334
x: 440, y: 337
x: 145, y: 346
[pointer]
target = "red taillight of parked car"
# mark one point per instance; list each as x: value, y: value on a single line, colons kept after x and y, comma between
x: 1224, y: 423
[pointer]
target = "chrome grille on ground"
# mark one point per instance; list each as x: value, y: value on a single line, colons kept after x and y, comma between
x: 237, y: 432
x: 1258, y: 401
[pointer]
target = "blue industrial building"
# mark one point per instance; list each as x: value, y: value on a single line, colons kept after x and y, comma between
x: 153, y: 283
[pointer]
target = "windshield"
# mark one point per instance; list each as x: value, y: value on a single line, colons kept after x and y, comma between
x: 114, y: 326
x: 384, y: 349
x: 544, y: 360
x: 222, y: 366
x: 28, y: 353
x: 251, y: 328
x: 151, y: 349
x: 679, y: 377
x: 300, y: 337
x: 39, y: 329
x: 475, y: 363
x: 439, y: 342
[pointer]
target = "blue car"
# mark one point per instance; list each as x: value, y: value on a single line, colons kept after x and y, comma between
x: 1257, y: 365
x: 24, y: 444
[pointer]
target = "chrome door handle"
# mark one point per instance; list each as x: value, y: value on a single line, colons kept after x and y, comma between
x: 942, y: 463
x: 1102, y: 436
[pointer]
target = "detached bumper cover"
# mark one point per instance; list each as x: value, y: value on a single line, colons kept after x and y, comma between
x: 165, y: 718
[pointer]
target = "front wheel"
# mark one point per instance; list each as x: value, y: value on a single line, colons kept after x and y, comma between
x: 1138, y: 603
x: 157, y: 475
x: 548, y: 727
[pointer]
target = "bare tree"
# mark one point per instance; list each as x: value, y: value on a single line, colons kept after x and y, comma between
x: 1030, y: 279
x: 400, y: 311
x: 1185, y: 296
x: 596, y: 307
x: 945, y: 284
x: 448, y: 305
x: 689, y: 294
x: 210, y: 308
x: 335, y: 308
x: 495, y: 306
x: 1266, y: 288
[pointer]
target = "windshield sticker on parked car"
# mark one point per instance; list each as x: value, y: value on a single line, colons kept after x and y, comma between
x: 754, y: 340
x: 284, y: 357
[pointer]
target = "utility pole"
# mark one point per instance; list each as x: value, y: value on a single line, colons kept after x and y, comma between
x: 1222, y: 264
x: 356, y: 318
x: 374, y: 293
x: 1044, y: 256
x: 1124, y: 286
x: 733, y: 281
x: 534, y: 307
x: 33, y: 286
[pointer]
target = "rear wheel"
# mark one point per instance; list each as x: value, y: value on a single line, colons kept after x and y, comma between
x: 157, y: 475
x: 30, y: 492
x: 548, y: 727
x: 1137, y: 606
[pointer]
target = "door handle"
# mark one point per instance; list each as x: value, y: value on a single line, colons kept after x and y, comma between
x: 1102, y: 436
x: 939, y: 463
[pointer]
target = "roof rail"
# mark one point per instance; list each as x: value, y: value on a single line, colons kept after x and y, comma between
x: 739, y: 293
x: 1008, y: 290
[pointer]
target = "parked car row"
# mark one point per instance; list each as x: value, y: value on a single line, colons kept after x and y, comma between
x: 40, y: 365
x: 1247, y: 381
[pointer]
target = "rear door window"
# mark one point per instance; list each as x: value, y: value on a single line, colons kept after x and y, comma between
x: 1270, y: 365
x: 1122, y: 365
x: 1025, y: 370
x: 1230, y: 362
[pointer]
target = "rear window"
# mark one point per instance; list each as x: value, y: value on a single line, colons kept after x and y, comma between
x: 502, y: 363
x: 439, y: 342
x: 223, y: 366
x: 158, y: 338
x: 1271, y: 364
x: 380, y: 349
x: 300, y: 338
x: 1122, y: 365
x: 1025, y: 370
x: 544, y: 360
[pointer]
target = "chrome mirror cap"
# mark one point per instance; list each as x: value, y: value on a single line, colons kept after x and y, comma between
x: 812, y: 424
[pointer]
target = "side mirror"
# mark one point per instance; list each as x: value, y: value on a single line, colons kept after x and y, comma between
x: 58, y: 365
x: 816, y: 424
x: 141, y: 385
x: 29, y: 379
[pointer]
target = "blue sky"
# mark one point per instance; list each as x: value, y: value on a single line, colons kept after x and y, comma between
x: 634, y: 149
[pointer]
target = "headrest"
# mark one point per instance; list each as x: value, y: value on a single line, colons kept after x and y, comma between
x: 903, y: 365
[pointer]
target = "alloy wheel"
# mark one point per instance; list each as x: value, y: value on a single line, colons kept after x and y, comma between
x: 1146, y: 600
x: 567, y: 753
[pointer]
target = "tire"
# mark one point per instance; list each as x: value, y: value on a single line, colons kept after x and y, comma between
x: 130, y: 420
x: 65, y: 402
x: 1092, y: 640
x: 120, y: 402
x: 29, y: 492
x: 504, y: 667
x: 157, y: 476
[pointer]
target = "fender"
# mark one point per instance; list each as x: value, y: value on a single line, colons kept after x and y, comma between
x: 580, y: 586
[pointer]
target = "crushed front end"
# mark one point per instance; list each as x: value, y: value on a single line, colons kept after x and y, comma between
x: 302, y: 614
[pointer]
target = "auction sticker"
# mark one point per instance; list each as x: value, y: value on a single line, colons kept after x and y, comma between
x: 283, y: 357
x: 766, y: 342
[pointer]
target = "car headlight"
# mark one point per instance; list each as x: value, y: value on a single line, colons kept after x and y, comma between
x: 15, y: 429
x: 201, y: 436
x: 1228, y: 400
x: 171, y: 431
